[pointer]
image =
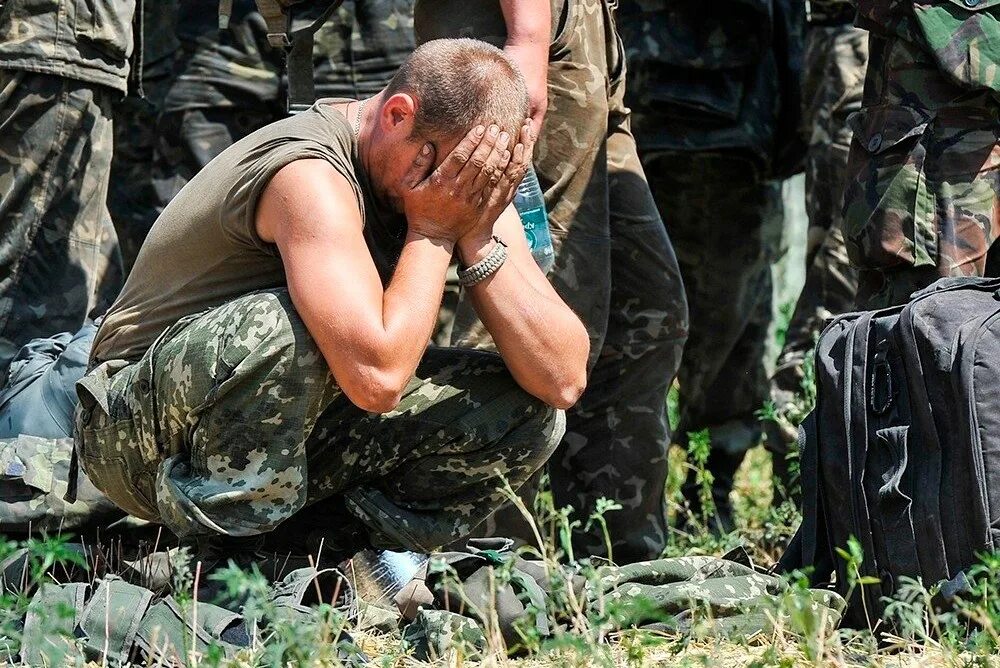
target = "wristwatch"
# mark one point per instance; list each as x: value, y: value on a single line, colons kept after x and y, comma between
x: 486, y: 267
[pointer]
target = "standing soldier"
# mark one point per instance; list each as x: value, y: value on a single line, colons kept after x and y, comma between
x: 63, y: 63
x: 131, y: 198
x: 229, y: 82
x: 614, y: 264
x: 924, y: 171
x: 714, y: 97
x: 836, y: 55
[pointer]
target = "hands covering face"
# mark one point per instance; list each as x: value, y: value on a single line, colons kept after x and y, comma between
x: 467, y: 192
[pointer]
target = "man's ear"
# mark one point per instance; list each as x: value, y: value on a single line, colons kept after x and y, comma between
x: 398, y: 113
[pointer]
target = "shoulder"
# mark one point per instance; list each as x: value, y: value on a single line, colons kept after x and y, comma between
x: 306, y: 195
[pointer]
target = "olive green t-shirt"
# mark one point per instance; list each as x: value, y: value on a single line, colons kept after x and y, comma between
x: 204, y: 249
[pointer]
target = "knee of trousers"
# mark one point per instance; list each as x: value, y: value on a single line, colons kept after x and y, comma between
x: 541, y: 432
x: 262, y: 330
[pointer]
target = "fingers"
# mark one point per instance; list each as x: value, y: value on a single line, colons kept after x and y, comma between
x: 421, y: 166
x: 520, y: 160
x: 459, y: 156
x: 527, y: 139
x: 488, y: 172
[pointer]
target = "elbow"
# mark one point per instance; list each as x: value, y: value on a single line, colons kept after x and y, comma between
x: 375, y: 392
x: 565, y: 394
x: 565, y: 397
x: 376, y: 400
x: 572, y: 383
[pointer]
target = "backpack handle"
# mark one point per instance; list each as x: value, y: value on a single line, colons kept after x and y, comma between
x: 882, y: 392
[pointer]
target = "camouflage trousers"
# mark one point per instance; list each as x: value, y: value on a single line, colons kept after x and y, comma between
x: 614, y: 266
x: 59, y: 258
x: 722, y: 217
x: 923, y: 178
x: 835, y: 61
x: 231, y: 424
x: 725, y: 221
x: 132, y: 196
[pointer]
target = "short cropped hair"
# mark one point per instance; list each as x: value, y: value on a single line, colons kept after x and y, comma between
x: 459, y: 83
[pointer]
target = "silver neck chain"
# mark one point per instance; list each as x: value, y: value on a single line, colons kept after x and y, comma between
x: 357, y: 117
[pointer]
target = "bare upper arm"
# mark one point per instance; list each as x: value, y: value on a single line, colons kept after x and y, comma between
x: 311, y: 213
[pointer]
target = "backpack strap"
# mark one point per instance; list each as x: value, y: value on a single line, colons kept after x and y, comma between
x: 299, y: 60
x: 297, y: 45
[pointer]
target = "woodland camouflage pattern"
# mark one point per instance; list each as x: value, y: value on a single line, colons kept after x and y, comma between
x: 834, y: 73
x: 614, y: 266
x: 85, y: 40
x: 711, y: 99
x: 922, y: 179
x: 231, y: 85
x: 231, y: 423
x: 59, y: 257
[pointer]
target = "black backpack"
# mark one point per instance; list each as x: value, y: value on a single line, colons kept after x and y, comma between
x: 902, y: 451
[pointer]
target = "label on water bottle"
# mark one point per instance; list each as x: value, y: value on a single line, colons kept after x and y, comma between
x: 533, y: 220
x: 530, y: 205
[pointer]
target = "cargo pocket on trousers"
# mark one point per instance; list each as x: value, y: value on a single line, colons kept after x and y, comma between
x: 110, y: 458
x: 894, y: 503
x: 888, y: 208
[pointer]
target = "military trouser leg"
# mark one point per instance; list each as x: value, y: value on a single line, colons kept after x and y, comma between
x: 616, y: 269
x: 231, y: 424
x: 59, y: 258
x: 836, y: 58
x: 717, y: 210
x: 132, y: 198
x: 188, y: 140
x: 617, y: 436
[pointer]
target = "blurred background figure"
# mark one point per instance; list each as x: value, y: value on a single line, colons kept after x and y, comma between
x: 63, y: 64
x: 715, y: 102
x: 833, y: 73
x: 132, y: 200
x: 224, y: 84
x: 924, y: 172
x: 614, y: 264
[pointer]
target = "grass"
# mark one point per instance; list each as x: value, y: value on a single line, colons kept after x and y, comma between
x: 917, y: 631
x: 967, y: 636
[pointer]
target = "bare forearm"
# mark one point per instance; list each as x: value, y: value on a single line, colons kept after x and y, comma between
x: 528, y: 21
x: 411, y: 304
x: 542, y: 341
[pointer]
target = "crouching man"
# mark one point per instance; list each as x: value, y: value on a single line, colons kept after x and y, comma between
x: 269, y: 350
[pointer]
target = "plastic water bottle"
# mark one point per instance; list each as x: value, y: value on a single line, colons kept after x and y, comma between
x: 531, y: 207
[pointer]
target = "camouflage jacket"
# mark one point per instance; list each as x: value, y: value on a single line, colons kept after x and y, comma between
x: 962, y: 36
x: 725, y: 79
x: 88, y: 40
